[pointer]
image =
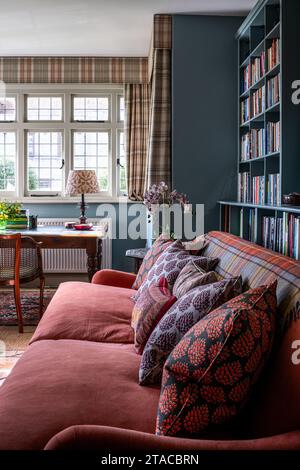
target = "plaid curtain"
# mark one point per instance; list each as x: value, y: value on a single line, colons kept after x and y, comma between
x: 137, y: 101
x: 159, y: 146
x: 74, y: 69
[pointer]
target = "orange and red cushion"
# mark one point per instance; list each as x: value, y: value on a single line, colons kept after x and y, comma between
x: 148, y: 311
x: 210, y: 374
x: 158, y: 247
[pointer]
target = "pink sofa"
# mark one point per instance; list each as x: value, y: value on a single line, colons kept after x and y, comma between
x: 76, y: 385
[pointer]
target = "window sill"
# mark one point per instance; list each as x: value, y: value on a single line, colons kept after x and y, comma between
x: 73, y: 200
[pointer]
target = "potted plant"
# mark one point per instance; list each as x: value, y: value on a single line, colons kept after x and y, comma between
x: 9, y: 211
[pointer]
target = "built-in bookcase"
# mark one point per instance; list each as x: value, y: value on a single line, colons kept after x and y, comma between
x: 269, y: 128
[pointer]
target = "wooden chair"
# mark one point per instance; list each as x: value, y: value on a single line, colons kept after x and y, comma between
x: 20, y: 262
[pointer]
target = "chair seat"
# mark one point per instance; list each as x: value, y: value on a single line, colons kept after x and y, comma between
x: 26, y: 272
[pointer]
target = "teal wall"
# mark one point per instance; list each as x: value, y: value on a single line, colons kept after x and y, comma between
x: 204, y: 120
x: 205, y: 110
x: 71, y: 211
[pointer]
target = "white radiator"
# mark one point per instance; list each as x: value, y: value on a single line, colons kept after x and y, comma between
x: 72, y: 260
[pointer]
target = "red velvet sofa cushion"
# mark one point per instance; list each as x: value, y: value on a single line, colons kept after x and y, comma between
x: 57, y: 384
x: 88, y: 312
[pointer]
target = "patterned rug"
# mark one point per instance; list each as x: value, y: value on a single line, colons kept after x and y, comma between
x: 29, y: 302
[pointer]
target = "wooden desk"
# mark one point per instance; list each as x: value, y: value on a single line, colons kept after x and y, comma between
x: 60, y: 237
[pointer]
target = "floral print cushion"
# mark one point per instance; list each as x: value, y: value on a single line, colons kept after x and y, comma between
x: 187, y: 311
x: 151, y: 256
x: 210, y: 374
x: 170, y: 263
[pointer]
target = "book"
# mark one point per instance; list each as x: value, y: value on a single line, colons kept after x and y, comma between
x: 273, y: 91
x: 273, y: 54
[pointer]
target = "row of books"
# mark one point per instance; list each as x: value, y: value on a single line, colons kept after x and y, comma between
x: 273, y: 91
x: 273, y: 190
x: 253, y: 72
x: 258, y: 68
x: 273, y: 54
x: 246, y: 79
x: 282, y: 234
x: 245, y: 110
x: 244, y: 184
x: 260, y: 142
x: 258, y: 101
x: 253, y: 144
x: 273, y: 137
x: 258, y: 190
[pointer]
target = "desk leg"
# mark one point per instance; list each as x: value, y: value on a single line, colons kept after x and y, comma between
x: 91, y: 251
x: 99, y: 254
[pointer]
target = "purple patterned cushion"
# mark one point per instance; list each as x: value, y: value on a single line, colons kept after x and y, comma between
x: 170, y: 263
x: 190, y: 277
x: 187, y: 311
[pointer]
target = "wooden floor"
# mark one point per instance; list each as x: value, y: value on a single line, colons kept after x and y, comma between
x: 12, y: 346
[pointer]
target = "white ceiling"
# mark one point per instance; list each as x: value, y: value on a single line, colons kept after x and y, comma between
x: 93, y: 27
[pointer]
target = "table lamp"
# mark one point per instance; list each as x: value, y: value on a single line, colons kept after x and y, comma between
x: 82, y: 182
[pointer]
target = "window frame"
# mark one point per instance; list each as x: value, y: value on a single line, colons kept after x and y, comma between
x: 43, y: 95
x: 67, y: 126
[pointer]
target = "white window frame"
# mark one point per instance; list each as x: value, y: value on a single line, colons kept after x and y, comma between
x: 67, y: 126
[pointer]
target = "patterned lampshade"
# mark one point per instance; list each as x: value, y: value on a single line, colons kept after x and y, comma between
x: 82, y: 182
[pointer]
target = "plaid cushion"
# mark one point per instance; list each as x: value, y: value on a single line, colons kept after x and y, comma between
x: 258, y: 266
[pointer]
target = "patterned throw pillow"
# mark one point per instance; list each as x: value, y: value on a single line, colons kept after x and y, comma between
x: 158, y: 247
x: 209, y: 376
x: 170, y: 263
x: 187, y: 311
x: 149, y: 310
x: 192, y: 276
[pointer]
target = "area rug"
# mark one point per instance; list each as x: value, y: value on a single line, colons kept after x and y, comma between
x: 12, y: 346
x: 29, y: 302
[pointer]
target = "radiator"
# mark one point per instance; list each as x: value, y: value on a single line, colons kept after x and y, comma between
x: 72, y: 260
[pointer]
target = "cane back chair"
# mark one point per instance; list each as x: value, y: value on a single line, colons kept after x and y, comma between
x: 20, y: 262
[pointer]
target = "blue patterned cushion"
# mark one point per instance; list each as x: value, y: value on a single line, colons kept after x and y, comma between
x: 187, y: 311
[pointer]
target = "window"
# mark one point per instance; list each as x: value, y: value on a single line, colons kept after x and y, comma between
x: 121, y: 163
x: 7, y: 161
x: 45, y: 131
x: 45, y: 161
x: 44, y: 108
x: 91, y: 108
x: 8, y: 109
x: 91, y: 152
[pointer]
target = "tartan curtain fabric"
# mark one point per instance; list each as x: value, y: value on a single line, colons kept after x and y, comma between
x: 137, y: 101
x: 159, y: 146
x: 118, y: 70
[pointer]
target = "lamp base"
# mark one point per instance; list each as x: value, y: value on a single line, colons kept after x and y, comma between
x: 82, y: 218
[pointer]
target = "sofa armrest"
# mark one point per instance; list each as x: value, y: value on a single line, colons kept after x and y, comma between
x: 111, y: 277
x: 103, y: 438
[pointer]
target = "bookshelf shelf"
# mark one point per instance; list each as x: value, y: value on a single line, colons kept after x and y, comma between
x: 265, y: 43
x: 275, y: 32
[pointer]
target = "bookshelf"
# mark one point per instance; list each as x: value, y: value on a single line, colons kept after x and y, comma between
x: 269, y: 129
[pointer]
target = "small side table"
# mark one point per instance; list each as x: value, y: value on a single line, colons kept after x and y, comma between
x: 138, y: 254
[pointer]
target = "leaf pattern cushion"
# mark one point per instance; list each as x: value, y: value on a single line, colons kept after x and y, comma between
x: 158, y: 247
x: 149, y: 310
x: 210, y: 374
x: 187, y: 311
x: 170, y: 263
x: 192, y: 276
